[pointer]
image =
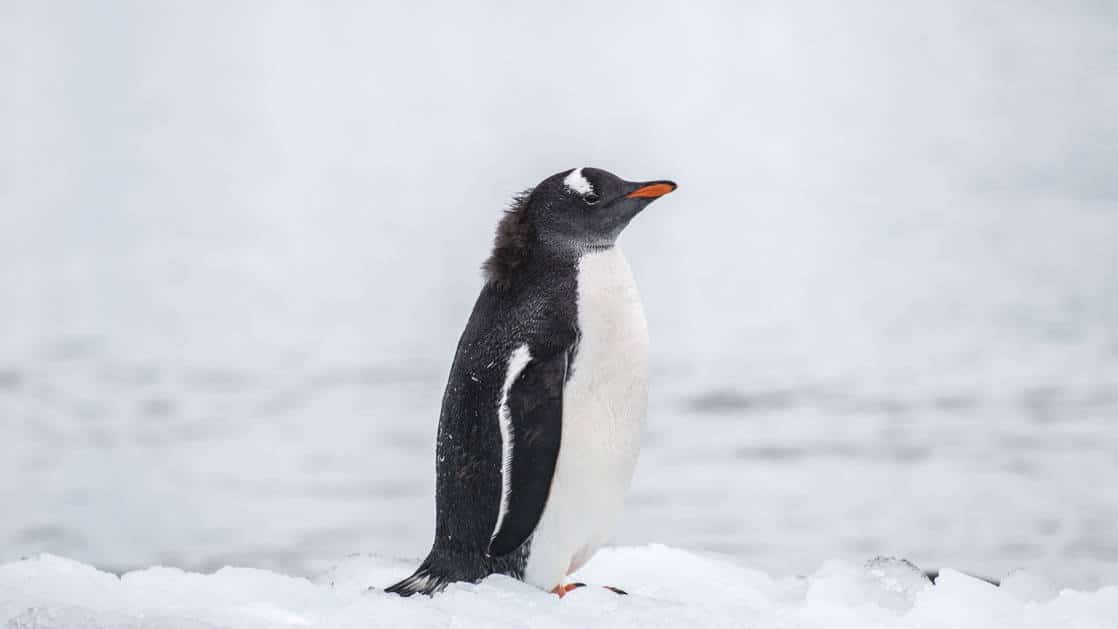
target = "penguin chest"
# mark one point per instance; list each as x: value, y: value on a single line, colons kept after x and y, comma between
x: 604, y: 404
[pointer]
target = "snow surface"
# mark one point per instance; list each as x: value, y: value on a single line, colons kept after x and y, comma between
x: 667, y: 588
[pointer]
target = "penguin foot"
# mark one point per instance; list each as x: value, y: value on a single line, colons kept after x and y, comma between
x: 561, y: 590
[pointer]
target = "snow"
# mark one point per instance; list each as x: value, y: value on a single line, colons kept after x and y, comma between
x: 667, y: 588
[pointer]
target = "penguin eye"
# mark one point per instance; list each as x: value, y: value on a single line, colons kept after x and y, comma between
x: 591, y: 198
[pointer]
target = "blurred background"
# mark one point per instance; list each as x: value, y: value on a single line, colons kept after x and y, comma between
x: 238, y: 242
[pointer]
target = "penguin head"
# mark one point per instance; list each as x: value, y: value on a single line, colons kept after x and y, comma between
x: 569, y: 212
x: 588, y: 207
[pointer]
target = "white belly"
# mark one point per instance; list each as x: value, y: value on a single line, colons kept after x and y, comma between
x: 604, y: 405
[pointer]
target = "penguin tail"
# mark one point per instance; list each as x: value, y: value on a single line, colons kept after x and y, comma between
x: 425, y: 580
x: 442, y: 567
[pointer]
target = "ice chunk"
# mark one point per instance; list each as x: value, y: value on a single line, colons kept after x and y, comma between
x: 899, y: 581
x: 885, y: 582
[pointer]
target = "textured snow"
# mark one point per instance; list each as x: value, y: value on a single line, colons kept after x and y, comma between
x: 668, y: 588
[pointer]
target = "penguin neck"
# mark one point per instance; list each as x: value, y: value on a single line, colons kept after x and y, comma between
x: 539, y: 256
x: 559, y: 247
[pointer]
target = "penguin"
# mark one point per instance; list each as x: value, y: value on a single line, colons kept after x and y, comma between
x: 543, y: 409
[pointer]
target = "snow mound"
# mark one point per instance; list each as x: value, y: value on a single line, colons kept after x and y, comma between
x: 668, y: 588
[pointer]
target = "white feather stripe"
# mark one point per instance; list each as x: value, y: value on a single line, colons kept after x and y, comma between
x: 578, y: 182
x: 518, y: 360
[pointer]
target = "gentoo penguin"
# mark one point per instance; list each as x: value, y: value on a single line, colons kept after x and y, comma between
x: 542, y: 414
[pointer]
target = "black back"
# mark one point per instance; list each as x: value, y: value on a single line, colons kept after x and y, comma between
x: 538, y: 310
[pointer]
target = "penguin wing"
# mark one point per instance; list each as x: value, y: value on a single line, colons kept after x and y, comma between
x: 531, y: 421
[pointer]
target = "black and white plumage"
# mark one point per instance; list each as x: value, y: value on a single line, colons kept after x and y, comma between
x: 542, y: 413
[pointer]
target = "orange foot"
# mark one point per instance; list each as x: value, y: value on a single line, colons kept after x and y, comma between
x: 561, y: 590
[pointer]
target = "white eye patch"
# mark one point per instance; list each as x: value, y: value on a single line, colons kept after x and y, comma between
x: 575, y: 181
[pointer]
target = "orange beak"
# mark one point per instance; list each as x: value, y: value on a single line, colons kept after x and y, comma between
x: 651, y: 191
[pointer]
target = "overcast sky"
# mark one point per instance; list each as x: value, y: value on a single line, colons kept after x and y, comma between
x: 221, y: 181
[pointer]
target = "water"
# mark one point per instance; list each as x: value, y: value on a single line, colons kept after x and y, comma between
x: 237, y: 245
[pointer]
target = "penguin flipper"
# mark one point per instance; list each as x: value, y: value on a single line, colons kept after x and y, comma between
x: 535, y: 425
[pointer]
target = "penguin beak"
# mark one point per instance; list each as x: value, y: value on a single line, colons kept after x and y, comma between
x: 652, y: 190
